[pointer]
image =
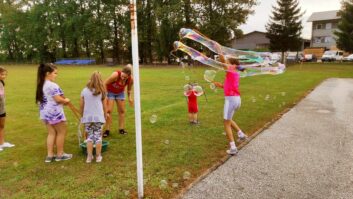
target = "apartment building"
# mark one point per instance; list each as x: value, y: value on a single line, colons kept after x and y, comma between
x: 323, y: 26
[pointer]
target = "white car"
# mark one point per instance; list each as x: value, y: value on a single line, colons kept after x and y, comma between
x: 332, y: 55
x: 348, y: 58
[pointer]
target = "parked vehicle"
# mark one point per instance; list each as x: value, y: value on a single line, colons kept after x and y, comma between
x: 332, y: 55
x: 294, y: 57
x: 310, y: 58
x: 349, y: 58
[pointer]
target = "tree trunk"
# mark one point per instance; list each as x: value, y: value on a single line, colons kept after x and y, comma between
x: 116, y: 41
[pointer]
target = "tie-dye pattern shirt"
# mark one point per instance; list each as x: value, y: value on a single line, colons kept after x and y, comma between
x: 50, y: 111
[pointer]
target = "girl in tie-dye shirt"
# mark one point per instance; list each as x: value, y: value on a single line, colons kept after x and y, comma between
x: 51, y: 99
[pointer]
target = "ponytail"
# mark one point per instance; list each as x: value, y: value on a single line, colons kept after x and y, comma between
x: 43, y: 69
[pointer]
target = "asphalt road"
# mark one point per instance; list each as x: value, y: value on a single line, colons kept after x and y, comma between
x: 308, y: 153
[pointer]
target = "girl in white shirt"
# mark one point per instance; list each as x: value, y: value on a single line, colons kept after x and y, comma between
x: 93, y: 110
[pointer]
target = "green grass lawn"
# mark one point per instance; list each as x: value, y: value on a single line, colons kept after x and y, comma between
x: 173, y: 151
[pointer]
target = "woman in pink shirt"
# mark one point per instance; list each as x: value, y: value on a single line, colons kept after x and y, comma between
x: 232, y: 100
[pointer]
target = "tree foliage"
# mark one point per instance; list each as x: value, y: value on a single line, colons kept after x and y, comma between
x: 45, y: 30
x: 344, y: 31
x: 284, y: 28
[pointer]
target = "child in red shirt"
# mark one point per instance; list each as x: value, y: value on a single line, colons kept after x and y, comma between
x: 192, y: 92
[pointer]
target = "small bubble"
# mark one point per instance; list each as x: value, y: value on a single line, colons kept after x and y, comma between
x: 187, y: 78
x: 63, y: 167
x: 224, y: 133
x: 182, y: 64
x: 253, y: 100
x: 186, y: 175
x: 126, y: 192
x: 175, y: 185
x: 153, y: 118
x: 267, y: 97
x: 166, y: 142
x: 212, y: 86
x: 163, y: 184
x: 15, y: 164
x: 283, y: 93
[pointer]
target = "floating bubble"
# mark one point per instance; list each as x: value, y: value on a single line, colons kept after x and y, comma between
x: 175, y: 185
x: 283, y: 93
x: 187, y: 78
x: 212, y: 86
x: 186, y: 175
x: 15, y: 164
x: 63, y: 167
x: 209, y: 75
x: 166, y: 142
x: 126, y: 192
x: 187, y: 87
x: 182, y: 64
x: 253, y: 99
x: 198, y: 90
x: 163, y: 184
x: 153, y: 118
x: 224, y: 133
x: 267, y: 97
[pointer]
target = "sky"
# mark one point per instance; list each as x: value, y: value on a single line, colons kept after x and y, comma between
x: 263, y: 10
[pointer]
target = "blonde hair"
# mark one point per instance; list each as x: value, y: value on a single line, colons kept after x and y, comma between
x: 2, y: 69
x: 96, y: 85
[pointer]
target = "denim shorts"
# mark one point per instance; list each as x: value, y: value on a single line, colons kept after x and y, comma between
x: 116, y: 96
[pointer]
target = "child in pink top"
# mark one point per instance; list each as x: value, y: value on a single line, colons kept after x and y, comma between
x: 232, y: 101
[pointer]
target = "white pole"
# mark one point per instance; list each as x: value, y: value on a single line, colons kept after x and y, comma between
x: 136, y: 75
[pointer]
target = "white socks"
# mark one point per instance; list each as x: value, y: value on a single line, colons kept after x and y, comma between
x: 241, y: 134
x: 232, y: 145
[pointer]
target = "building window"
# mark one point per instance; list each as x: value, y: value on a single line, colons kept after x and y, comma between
x: 328, y: 26
x: 319, y: 26
x: 318, y: 40
x: 328, y: 39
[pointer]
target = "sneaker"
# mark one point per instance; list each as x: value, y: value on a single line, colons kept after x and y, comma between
x: 106, y: 133
x: 196, y: 122
x: 64, y: 156
x: 232, y: 151
x: 122, y: 132
x: 89, y: 158
x: 49, y: 159
x: 99, y: 158
x: 1, y: 149
x: 242, y: 136
x: 7, y: 145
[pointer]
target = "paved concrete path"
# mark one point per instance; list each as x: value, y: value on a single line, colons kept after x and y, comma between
x: 308, y: 153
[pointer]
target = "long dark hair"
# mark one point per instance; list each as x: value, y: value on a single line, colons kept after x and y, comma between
x: 43, y: 69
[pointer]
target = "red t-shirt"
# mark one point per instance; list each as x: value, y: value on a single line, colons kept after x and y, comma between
x: 116, y: 87
x: 192, y: 103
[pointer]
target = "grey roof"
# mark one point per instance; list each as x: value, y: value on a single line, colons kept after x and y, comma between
x: 321, y: 16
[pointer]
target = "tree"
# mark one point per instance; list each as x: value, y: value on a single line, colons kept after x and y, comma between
x: 284, y: 28
x: 219, y: 19
x: 345, y: 27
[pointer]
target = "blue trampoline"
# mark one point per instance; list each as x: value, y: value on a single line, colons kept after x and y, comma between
x: 75, y: 61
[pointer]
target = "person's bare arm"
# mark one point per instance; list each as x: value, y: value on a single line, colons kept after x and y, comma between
x: 82, y: 105
x: 61, y: 99
x: 129, y: 88
x: 111, y: 79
